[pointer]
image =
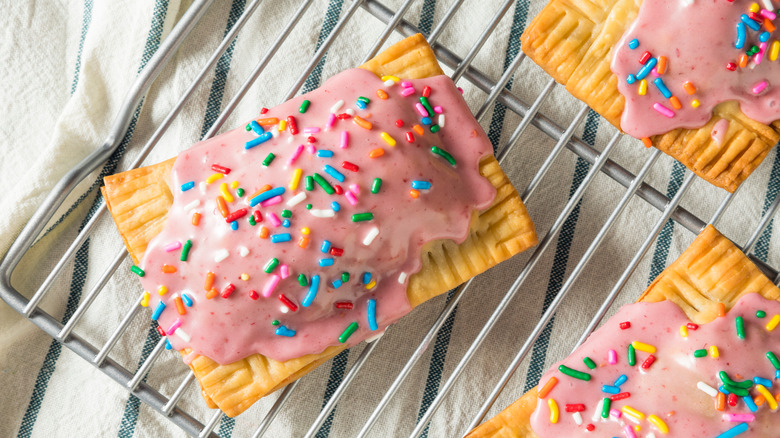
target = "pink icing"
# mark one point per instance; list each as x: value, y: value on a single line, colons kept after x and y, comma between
x: 229, y: 329
x: 668, y: 388
x: 698, y: 39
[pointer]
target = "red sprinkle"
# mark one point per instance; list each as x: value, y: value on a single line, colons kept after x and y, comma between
x: 621, y: 396
x: 220, y: 169
x: 338, y: 189
x: 343, y: 305
x: 264, y: 110
x: 253, y: 294
x: 160, y: 331
x: 311, y: 139
x: 228, y: 290
x: 732, y: 399
x: 575, y: 408
x: 344, y: 116
x: 625, y: 325
x: 590, y: 427
x: 409, y: 137
x: 645, y: 56
x: 336, y: 252
x: 692, y: 326
x: 350, y: 166
x: 258, y: 217
x: 399, y: 123
x: 649, y: 361
x: 291, y: 125
x: 288, y: 303
x: 238, y: 214
x: 755, y: 17
x: 731, y: 66
x: 426, y: 92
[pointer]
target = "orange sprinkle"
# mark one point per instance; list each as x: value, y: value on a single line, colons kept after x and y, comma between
x: 743, y: 60
x: 265, y: 188
x: 376, y: 153
x: 689, y: 87
x: 303, y: 242
x: 661, y: 67
x: 179, y: 306
x: 196, y: 219
x: 418, y: 129
x: 168, y: 269
x: 759, y: 400
x: 648, y: 143
x: 212, y: 293
x: 363, y: 123
x: 721, y: 309
x: 547, y: 387
x: 222, y: 206
x: 777, y: 397
x: 268, y: 121
x: 770, y: 27
x: 414, y: 193
x: 263, y: 233
x: 381, y: 94
x: 209, y: 281
x: 720, y: 401
x: 675, y: 102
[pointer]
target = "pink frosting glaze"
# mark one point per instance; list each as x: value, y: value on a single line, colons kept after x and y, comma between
x: 698, y: 39
x: 668, y: 388
x: 229, y: 329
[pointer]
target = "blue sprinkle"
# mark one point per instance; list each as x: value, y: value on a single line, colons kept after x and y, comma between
x: 750, y: 403
x: 645, y: 70
x: 621, y: 380
x: 326, y: 262
x: 324, y: 153
x: 750, y: 23
x: 762, y: 381
x: 158, y: 310
x: 256, y: 127
x: 264, y: 137
x: 777, y: 374
x: 284, y: 331
x: 286, y: 223
x: 426, y: 121
x: 659, y: 83
x: 266, y: 195
x: 312, y: 293
x: 741, y: 36
x: 633, y: 44
x: 168, y: 345
x: 360, y: 104
x: 723, y: 389
x: 187, y: 300
x: 734, y: 431
x: 325, y: 247
x: 372, y: 314
x: 631, y: 79
x: 338, y: 176
x: 421, y: 185
x: 188, y: 185
x: 610, y: 389
x: 234, y: 225
x: 337, y: 284
x: 335, y: 206
x: 763, y: 37
x: 366, y: 277
x: 279, y: 238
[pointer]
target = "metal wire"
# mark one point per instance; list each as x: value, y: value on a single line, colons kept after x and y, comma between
x: 496, y: 92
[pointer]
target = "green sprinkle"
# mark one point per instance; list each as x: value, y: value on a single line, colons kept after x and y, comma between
x: 348, y: 332
x: 286, y: 213
x: 589, y: 362
x: 360, y: 217
x: 185, y: 250
x: 324, y: 184
x: 700, y: 353
x: 345, y: 277
x: 444, y: 154
x: 376, y: 185
x: 773, y: 358
x: 427, y: 106
x: 435, y: 128
x: 302, y: 280
x: 248, y: 128
x: 271, y: 265
x: 760, y: 314
x: 605, y: 406
x: 240, y: 192
x: 252, y: 220
x: 304, y: 106
x: 137, y: 271
x: 739, y: 392
x: 724, y: 377
x: 740, y: 327
x: 574, y: 373
x: 631, y: 355
x: 364, y: 100
x: 308, y: 206
x: 268, y: 159
x: 275, y: 322
x: 309, y: 182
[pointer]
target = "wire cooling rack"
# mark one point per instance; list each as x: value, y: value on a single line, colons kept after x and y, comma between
x: 463, y: 69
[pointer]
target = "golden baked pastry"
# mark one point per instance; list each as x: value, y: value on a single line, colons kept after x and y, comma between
x: 710, y: 274
x: 139, y: 201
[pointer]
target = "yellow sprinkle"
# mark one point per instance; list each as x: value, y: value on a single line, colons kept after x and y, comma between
x: 386, y: 137
x: 628, y: 410
x: 695, y: 103
x: 245, y: 276
x: 393, y: 78
x: 683, y: 331
x: 641, y: 346
x: 658, y: 423
x: 637, y: 428
x: 305, y: 230
x: 145, y: 299
x: 754, y: 8
x: 770, y: 399
x: 553, y: 410
x: 282, y: 125
x: 223, y: 189
x: 234, y: 185
x: 162, y: 290
x: 774, y: 51
x: 296, y: 178
x: 714, y: 353
x: 371, y: 285
x: 643, y: 87
x: 213, y: 178
x: 773, y: 323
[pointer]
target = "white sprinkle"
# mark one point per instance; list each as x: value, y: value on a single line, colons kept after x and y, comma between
x: 336, y: 106
x: 290, y: 139
x: 707, y: 389
x: 350, y: 111
x: 283, y: 309
x: 389, y: 83
x: 375, y: 337
x: 577, y: 418
x: 202, y: 187
x: 275, y: 133
x: 295, y: 200
x: 597, y: 412
x: 243, y: 251
x: 402, y: 277
x: 192, y: 205
x: 650, y: 435
x: 372, y: 233
x: 441, y: 120
x: 768, y: 5
x: 182, y: 334
x: 322, y: 213
x: 222, y: 254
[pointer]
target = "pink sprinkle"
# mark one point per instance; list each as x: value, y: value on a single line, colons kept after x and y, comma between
x: 612, y: 357
x: 350, y: 197
x: 407, y: 91
x: 331, y: 121
x: 421, y: 109
x: 271, y: 216
x: 344, y: 139
x: 355, y: 188
x: 614, y: 413
x: 311, y: 149
x: 284, y: 271
x: 654, y: 72
x: 406, y: 84
x: 173, y: 246
x: 629, y: 431
x: 461, y: 90
x: 273, y: 201
x: 172, y: 329
x: 311, y: 130
x: 270, y: 285
x: 739, y: 418
x: 759, y: 87
x: 760, y: 55
x: 296, y: 154
x: 663, y: 110
x: 768, y: 14
x: 438, y: 110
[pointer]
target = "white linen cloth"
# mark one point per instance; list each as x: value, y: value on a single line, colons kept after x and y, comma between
x: 66, y: 66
